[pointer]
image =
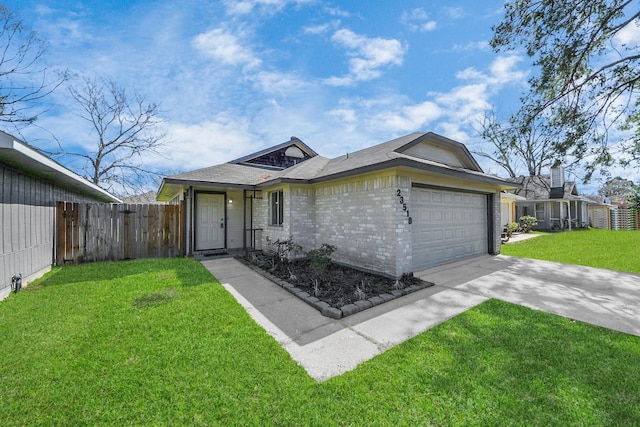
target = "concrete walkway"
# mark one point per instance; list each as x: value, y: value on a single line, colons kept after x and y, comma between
x: 327, y: 347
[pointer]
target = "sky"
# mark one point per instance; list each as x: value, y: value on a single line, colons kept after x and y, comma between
x: 233, y: 77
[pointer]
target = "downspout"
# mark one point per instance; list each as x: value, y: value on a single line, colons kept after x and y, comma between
x: 244, y: 221
x: 191, y: 210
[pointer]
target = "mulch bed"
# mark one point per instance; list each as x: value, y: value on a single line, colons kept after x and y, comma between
x: 337, y: 290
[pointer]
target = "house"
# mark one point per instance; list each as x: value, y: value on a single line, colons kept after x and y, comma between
x: 552, y: 200
x: 398, y: 207
x: 146, y: 198
x: 599, y: 212
x: 30, y: 186
x: 508, y: 211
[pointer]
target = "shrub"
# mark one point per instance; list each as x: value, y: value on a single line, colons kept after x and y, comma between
x: 321, y: 258
x: 285, y: 250
x: 511, y: 227
x: 527, y: 223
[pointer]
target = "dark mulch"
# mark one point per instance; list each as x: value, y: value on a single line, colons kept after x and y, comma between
x: 337, y: 285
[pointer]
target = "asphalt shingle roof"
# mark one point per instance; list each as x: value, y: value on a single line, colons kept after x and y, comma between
x: 539, y: 188
x: 319, y: 168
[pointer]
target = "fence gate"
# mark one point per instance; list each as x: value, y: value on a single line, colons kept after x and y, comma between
x: 87, y: 232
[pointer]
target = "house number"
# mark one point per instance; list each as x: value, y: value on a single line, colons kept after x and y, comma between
x: 404, y: 205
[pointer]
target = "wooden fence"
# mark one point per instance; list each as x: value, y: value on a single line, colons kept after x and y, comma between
x: 87, y: 232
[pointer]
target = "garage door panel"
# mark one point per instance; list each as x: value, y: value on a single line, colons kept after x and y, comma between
x: 447, y: 226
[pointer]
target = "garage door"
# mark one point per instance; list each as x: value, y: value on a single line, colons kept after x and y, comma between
x: 447, y: 226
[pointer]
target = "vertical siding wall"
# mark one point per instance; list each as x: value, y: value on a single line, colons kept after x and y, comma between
x: 27, y: 215
x: 235, y: 223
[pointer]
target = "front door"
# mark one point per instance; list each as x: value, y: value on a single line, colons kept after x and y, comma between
x: 210, y: 221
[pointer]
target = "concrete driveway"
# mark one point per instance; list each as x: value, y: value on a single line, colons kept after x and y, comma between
x: 327, y: 347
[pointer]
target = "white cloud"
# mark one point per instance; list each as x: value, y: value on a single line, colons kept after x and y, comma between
x: 408, y: 118
x: 629, y: 36
x: 369, y: 55
x: 503, y: 71
x: 280, y: 83
x: 245, y: 7
x: 481, y: 45
x: 335, y: 11
x: 205, y: 144
x: 418, y: 20
x: 225, y: 47
x: 346, y: 117
x: 322, y: 29
x: 452, y: 112
x: 454, y: 12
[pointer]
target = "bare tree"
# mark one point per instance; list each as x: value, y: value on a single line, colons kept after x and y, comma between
x: 125, y: 128
x: 518, y: 147
x: 23, y: 77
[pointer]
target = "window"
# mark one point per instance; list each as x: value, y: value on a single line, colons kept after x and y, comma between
x: 276, y: 205
x: 540, y: 211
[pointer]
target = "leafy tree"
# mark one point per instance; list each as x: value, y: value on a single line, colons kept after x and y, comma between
x: 23, y: 77
x: 617, y: 187
x: 619, y: 190
x: 125, y: 127
x: 589, y: 69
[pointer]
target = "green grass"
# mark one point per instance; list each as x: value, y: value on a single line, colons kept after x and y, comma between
x: 613, y: 250
x: 160, y: 342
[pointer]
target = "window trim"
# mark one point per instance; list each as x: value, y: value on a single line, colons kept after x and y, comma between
x: 276, y: 208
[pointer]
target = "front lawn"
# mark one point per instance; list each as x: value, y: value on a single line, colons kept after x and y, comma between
x: 610, y: 249
x: 160, y: 342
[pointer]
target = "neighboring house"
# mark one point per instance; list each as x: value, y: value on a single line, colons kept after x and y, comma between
x: 30, y: 186
x: 398, y: 207
x: 552, y: 200
x: 148, y: 198
x: 508, y: 212
x: 599, y: 212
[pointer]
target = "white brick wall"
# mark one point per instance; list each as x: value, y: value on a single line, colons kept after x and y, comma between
x: 497, y: 226
x: 361, y: 220
x: 364, y: 219
x: 261, y: 218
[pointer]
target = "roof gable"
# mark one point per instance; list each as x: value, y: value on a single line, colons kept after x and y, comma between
x: 539, y: 188
x: 437, y: 148
x: 279, y: 157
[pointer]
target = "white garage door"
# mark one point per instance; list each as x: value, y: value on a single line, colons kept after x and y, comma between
x: 447, y: 226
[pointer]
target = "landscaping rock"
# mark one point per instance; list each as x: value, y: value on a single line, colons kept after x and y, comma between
x: 363, y: 304
x: 349, y: 309
x: 376, y: 300
x: 332, y: 312
x: 335, y: 286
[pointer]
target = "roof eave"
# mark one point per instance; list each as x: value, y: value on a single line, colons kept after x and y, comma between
x: 185, y: 183
x: 31, y: 161
x: 397, y: 162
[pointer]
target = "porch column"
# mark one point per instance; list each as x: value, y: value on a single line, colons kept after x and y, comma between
x: 569, y: 213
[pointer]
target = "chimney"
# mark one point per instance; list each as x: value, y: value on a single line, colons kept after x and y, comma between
x: 557, y: 177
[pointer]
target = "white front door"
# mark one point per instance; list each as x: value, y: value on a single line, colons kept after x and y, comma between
x: 505, y: 214
x: 210, y: 221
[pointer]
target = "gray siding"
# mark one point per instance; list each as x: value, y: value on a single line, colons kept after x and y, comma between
x: 27, y: 215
